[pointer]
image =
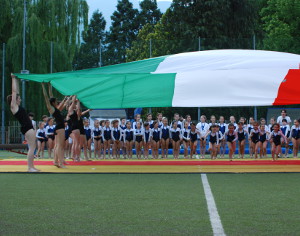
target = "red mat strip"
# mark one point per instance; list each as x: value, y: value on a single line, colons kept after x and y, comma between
x: 163, y: 163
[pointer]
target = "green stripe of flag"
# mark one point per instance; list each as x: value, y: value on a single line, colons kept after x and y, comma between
x: 124, y: 85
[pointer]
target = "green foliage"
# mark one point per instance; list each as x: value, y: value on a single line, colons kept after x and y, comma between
x: 123, y: 31
x: 87, y: 55
x: 222, y: 24
x: 281, y: 22
x: 149, y: 13
x: 59, y: 22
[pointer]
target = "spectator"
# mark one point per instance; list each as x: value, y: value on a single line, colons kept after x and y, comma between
x: 31, y: 116
x: 283, y: 116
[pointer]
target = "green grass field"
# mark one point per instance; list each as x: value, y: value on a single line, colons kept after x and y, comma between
x: 147, y: 204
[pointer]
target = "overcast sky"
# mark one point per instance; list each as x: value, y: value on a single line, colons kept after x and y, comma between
x: 107, y: 7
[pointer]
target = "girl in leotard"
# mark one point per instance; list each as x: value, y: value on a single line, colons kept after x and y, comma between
x: 21, y: 115
x: 55, y: 110
x: 88, y: 140
x: 165, y: 138
x: 129, y: 139
x: 149, y: 120
x: 67, y: 136
x: 123, y: 127
x: 295, y: 136
x: 223, y: 128
x: 254, y: 136
x: 147, y: 139
x: 138, y: 137
x: 263, y: 140
x: 175, y: 135
x: 249, y: 128
x: 159, y: 118
x: 41, y: 135
x: 116, y: 135
x: 97, y: 132
x: 156, y: 137
x: 50, y: 136
x: 242, y: 133
x: 194, y: 139
x: 231, y: 137
x: 213, y: 141
x: 74, y: 114
x: 186, y: 138
x: 275, y: 138
x: 106, y: 139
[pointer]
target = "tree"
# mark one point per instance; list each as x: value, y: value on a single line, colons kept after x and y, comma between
x: 122, y: 32
x: 59, y: 22
x: 281, y: 24
x: 87, y: 55
x: 149, y: 13
x: 219, y: 23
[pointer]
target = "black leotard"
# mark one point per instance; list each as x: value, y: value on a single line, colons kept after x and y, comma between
x: 81, y: 127
x: 74, y: 120
x: 23, y: 118
x: 255, y: 137
x: 276, y: 139
x: 241, y: 135
x: 59, y: 119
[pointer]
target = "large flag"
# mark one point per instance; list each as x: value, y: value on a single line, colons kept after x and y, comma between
x: 213, y: 78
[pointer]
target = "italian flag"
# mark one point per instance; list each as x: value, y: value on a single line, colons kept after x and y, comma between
x: 214, y: 78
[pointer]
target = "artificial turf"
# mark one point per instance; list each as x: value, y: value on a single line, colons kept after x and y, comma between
x: 147, y: 204
x: 258, y: 204
x: 103, y: 204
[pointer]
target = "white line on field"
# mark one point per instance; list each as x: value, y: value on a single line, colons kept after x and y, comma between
x: 215, y: 220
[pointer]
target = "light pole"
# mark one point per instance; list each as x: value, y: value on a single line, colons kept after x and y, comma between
x: 3, y: 96
x: 24, y: 55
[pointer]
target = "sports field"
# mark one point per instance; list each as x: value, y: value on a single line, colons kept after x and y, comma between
x: 148, y: 204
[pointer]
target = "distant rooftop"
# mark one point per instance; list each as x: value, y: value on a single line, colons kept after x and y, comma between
x: 107, y: 113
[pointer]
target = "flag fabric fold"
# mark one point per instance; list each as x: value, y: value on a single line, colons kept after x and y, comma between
x: 212, y: 78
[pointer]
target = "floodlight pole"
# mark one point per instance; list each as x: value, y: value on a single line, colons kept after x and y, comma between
x: 100, y: 53
x: 3, y: 96
x: 199, y: 48
x: 51, y: 57
x: 24, y: 54
x: 254, y: 48
x: 199, y: 113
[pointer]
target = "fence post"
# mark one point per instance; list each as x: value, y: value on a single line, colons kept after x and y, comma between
x: 199, y: 49
x: 3, y: 96
x: 51, y: 57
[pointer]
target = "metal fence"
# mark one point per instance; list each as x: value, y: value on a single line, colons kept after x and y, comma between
x: 12, y: 134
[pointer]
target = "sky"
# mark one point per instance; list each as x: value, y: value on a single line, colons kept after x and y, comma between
x: 107, y: 7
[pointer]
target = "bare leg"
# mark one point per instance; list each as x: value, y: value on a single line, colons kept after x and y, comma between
x: 146, y: 150
x: 295, y: 147
x: 50, y: 147
x: 42, y: 149
x: 31, y: 139
x: 60, y: 142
